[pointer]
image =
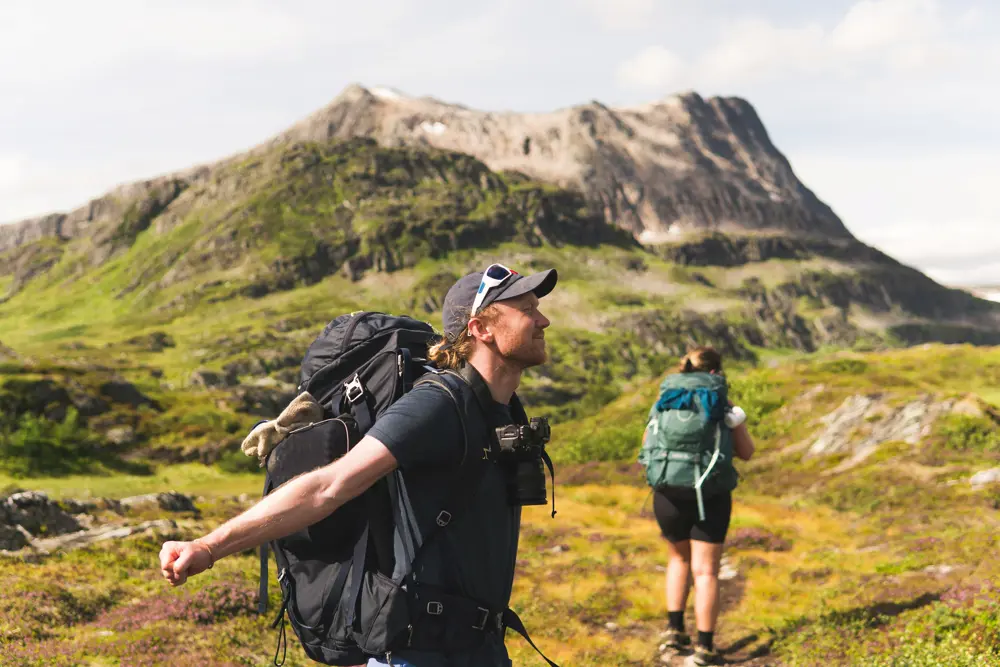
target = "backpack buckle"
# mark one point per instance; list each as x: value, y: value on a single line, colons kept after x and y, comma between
x: 354, y: 391
x: 435, y: 608
x: 483, y: 620
x: 443, y: 519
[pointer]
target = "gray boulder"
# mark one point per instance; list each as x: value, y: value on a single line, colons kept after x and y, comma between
x: 171, y: 501
x: 985, y: 477
x: 35, y: 513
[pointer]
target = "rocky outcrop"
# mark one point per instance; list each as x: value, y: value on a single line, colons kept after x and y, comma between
x: 120, y: 391
x: 31, y: 521
x: 29, y: 513
x: 49, y: 397
x: 93, y: 536
x: 985, y: 478
x: 864, y: 422
x: 128, y: 207
x: 208, y: 379
x: 934, y: 313
x: 169, y: 501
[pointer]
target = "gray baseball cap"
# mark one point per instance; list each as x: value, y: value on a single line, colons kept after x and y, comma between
x: 458, y: 302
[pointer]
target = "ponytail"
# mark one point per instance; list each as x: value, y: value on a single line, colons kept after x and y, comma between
x: 453, y: 354
x: 701, y: 360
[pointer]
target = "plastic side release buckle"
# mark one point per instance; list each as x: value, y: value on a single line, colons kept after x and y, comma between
x: 354, y: 390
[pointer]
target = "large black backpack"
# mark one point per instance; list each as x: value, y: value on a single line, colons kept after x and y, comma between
x: 357, y: 367
x: 336, y: 575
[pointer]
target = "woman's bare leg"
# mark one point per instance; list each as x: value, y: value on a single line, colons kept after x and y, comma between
x: 678, y: 575
x: 705, y: 558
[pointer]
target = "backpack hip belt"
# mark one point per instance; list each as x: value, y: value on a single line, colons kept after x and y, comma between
x: 442, y: 621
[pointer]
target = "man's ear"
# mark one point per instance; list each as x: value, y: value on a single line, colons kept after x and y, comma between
x: 479, y: 330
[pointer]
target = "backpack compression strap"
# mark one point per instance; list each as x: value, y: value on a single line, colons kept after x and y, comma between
x: 701, y: 477
x: 513, y: 621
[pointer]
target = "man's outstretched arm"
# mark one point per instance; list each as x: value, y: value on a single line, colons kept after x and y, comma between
x: 295, y: 505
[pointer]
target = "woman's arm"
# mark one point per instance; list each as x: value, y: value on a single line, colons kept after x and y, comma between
x: 742, y: 442
x: 295, y: 505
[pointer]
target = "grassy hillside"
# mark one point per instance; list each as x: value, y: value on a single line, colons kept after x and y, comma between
x: 890, y: 562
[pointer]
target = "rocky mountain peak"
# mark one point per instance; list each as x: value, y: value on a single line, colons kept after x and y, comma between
x: 662, y: 169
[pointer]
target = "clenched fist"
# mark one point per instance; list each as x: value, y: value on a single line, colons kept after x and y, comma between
x: 180, y: 560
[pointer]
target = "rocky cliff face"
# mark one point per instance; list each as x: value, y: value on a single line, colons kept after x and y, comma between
x: 133, y: 205
x: 680, y: 164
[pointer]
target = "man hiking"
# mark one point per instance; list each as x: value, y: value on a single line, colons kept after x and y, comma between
x: 493, y: 331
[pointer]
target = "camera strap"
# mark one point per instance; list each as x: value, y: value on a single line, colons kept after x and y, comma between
x: 484, y: 398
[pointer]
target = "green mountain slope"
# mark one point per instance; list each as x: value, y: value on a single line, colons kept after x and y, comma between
x: 206, y: 289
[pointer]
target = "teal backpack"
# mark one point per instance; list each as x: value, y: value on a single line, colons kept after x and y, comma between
x: 687, y: 444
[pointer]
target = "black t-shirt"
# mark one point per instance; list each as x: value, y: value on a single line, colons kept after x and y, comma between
x: 423, y: 429
x: 424, y: 433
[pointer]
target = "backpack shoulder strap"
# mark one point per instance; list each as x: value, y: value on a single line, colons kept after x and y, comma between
x: 464, y: 488
x: 517, y: 410
x: 471, y: 376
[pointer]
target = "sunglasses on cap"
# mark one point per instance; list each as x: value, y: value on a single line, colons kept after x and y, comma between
x: 494, y: 276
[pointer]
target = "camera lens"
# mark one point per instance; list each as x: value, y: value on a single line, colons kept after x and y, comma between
x: 527, y: 485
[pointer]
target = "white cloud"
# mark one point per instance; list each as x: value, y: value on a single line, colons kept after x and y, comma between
x: 873, y: 37
x: 29, y: 188
x: 755, y: 49
x: 54, y: 41
x: 10, y: 172
x: 470, y: 44
x: 622, y: 14
x: 980, y: 275
x: 935, y: 211
x: 653, y: 67
x: 39, y: 42
x: 870, y: 25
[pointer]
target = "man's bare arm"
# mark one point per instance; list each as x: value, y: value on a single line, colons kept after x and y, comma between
x: 295, y: 505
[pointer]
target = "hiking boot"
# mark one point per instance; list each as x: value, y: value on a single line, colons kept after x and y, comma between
x: 705, y: 656
x: 677, y: 640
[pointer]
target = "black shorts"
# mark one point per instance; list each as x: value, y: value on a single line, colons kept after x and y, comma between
x: 677, y: 514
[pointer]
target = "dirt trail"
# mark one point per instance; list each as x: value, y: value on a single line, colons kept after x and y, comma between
x: 748, y: 650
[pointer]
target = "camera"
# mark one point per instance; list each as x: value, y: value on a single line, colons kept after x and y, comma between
x: 521, y: 452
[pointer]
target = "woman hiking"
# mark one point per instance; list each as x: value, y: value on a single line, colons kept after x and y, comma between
x: 688, y: 447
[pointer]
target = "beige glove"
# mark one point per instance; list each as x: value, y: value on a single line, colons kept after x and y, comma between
x: 302, y: 411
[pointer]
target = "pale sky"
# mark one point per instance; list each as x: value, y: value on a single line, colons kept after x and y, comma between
x: 887, y: 109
